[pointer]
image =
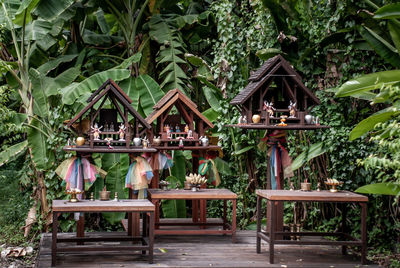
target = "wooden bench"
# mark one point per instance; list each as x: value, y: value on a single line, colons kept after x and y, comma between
x: 139, y: 206
x: 274, y: 197
x: 156, y: 195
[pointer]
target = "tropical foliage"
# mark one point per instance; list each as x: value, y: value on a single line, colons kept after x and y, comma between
x: 54, y: 54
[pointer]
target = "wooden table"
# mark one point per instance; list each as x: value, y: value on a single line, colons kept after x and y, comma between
x: 139, y: 206
x: 156, y: 195
x: 274, y: 197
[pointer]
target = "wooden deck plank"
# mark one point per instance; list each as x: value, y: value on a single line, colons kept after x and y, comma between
x: 202, y: 251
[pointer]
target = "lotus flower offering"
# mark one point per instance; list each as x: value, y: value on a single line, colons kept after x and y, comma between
x: 195, y: 181
x: 333, y: 183
x: 73, y: 192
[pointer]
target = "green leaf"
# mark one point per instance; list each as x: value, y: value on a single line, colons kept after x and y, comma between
x: 195, y: 60
x: 266, y: 53
x: 37, y: 142
x: 52, y: 64
x: 381, y: 46
x: 368, y: 82
x: 150, y: 92
x: 105, y: 29
x: 127, y: 62
x: 173, y: 208
x: 26, y: 5
x: 223, y: 166
x: 391, y: 11
x: 129, y: 87
x: 394, y: 30
x: 312, y: 151
x: 7, y: 154
x: 179, y: 168
x: 384, y: 188
x: 51, y: 9
x: 369, y: 123
x: 211, y: 114
x: 115, y: 182
x: 75, y: 91
x: 243, y: 150
x: 211, y: 98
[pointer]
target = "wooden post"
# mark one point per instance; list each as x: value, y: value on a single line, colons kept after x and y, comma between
x: 278, y: 219
x: 133, y: 218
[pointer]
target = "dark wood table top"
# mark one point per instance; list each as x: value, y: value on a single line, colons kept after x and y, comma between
x: 311, y: 196
x: 123, y: 205
x: 105, y: 149
x: 206, y: 194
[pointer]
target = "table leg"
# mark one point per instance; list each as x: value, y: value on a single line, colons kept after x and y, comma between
x: 343, y: 228
x: 364, y: 233
x: 144, y: 229
x: 259, y: 218
x: 156, y: 203
x: 80, y: 228
x: 195, y: 210
x: 203, y: 213
x: 234, y: 221
x: 224, y: 216
x: 130, y: 224
x: 272, y: 232
x: 151, y: 237
x: 54, y: 239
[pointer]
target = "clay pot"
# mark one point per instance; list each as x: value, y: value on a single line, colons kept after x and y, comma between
x: 137, y: 141
x: 256, y: 118
x: 156, y: 141
x: 305, y: 186
x: 80, y: 141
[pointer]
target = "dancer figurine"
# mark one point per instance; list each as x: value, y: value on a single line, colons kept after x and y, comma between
x: 292, y: 109
x: 96, y: 131
x: 168, y: 129
x: 121, y: 132
x: 108, y: 140
x: 269, y: 107
x: 190, y: 134
x: 186, y: 129
x: 177, y: 128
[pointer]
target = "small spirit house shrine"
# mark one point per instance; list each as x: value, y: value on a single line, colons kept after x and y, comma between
x: 179, y: 125
x: 109, y: 123
x: 276, y: 98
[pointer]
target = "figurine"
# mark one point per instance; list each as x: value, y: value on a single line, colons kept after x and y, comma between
x: 69, y: 142
x: 180, y: 142
x: 111, y: 127
x: 291, y: 186
x: 283, y: 119
x: 121, y: 132
x: 269, y: 107
x: 240, y: 120
x: 168, y: 129
x: 292, y: 109
x: 318, y: 187
x: 244, y: 120
x: 177, y: 128
x: 190, y: 134
x: 96, y: 131
x: 145, y: 142
x: 106, y: 127
x: 108, y: 140
x: 91, y: 196
x: 186, y: 129
x: 116, y: 196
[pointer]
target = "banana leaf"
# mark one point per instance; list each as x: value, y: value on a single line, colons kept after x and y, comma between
x: 8, y: 154
x: 384, y: 188
x: 313, y: 151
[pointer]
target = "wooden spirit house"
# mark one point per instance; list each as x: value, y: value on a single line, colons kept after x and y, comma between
x: 179, y: 125
x: 109, y: 123
x: 276, y: 98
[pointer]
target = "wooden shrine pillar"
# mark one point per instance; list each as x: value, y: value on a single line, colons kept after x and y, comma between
x: 278, y: 220
x: 133, y: 218
x: 195, y: 203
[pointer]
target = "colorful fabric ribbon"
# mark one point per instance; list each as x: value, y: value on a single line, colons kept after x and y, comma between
x: 207, y: 165
x: 76, y: 170
x: 164, y: 160
x: 279, y: 157
x: 139, y: 176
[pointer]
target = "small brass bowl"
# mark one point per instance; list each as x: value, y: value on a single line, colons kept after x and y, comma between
x: 333, y: 186
x: 104, y: 195
x: 73, y: 193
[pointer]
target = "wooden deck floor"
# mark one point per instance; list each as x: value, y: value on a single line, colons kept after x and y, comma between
x: 203, y: 251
